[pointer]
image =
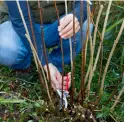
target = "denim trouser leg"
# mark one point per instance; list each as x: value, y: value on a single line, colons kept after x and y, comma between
x: 13, y: 51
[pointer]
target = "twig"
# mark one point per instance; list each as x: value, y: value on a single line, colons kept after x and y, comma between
x: 43, y: 42
x: 113, y: 117
x: 57, y: 12
x: 83, y: 53
x: 34, y: 39
x: 109, y: 58
x: 96, y: 26
x: 91, y: 53
x: 32, y: 47
x: 103, y: 32
x: 71, y: 55
x: 74, y: 54
x: 84, y: 50
x: 117, y: 99
x: 86, y: 45
x: 115, y: 90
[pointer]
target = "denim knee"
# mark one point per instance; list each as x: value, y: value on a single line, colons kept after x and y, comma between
x: 12, y: 50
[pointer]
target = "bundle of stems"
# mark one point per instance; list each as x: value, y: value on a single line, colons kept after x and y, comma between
x: 35, y: 46
x: 101, y: 42
x: 103, y: 32
x: 92, y: 47
x: 36, y: 58
x: 109, y: 59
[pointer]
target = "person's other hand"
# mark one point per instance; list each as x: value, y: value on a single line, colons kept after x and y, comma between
x: 66, y: 26
x: 56, y: 77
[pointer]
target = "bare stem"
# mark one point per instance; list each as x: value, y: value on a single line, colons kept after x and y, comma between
x: 115, y: 89
x: 34, y: 39
x: 117, y: 99
x: 32, y: 47
x: 83, y: 53
x: 91, y: 53
x: 103, y: 32
x: 57, y: 12
x: 109, y: 58
x: 43, y: 41
x: 74, y: 54
x: 96, y: 26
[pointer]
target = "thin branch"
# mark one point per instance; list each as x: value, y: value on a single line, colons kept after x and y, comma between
x: 83, y: 54
x: 71, y: 56
x: 34, y: 39
x: 74, y: 54
x: 43, y: 41
x: 57, y: 12
x: 96, y: 26
x: 117, y: 99
x: 91, y: 53
x: 103, y: 32
x: 109, y: 58
x: 115, y: 90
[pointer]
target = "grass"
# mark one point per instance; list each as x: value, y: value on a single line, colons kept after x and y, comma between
x: 22, y: 99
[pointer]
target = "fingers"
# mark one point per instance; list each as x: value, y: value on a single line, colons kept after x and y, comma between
x: 69, y: 76
x: 55, y: 83
x: 65, y: 21
x: 70, y: 33
x: 66, y: 26
x: 53, y: 86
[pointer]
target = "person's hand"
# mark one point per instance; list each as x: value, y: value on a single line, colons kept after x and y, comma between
x: 66, y: 26
x: 56, y: 77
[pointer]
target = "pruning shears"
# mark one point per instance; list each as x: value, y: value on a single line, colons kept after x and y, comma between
x: 65, y: 94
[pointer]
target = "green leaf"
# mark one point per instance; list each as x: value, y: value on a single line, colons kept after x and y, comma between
x: 100, y: 115
x: 114, y: 25
x: 37, y: 105
x: 2, y: 100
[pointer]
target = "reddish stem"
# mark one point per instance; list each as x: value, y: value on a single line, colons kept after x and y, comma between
x: 34, y: 41
x: 57, y: 12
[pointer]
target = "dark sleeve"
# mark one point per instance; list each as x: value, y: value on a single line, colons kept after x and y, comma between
x: 77, y: 10
x: 19, y: 27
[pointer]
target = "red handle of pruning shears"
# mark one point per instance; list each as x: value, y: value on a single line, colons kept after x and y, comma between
x: 67, y: 82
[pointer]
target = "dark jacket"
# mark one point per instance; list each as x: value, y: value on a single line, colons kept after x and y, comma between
x: 16, y: 20
x: 49, y: 14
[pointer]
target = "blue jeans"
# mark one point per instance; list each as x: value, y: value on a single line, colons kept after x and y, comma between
x: 13, y: 52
